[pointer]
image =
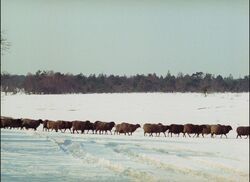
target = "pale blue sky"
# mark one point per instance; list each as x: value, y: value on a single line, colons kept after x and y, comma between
x: 126, y: 37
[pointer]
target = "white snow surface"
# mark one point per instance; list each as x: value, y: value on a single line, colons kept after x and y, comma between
x: 28, y: 155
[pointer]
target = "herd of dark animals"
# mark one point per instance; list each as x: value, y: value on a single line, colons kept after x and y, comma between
x: 124, y: 128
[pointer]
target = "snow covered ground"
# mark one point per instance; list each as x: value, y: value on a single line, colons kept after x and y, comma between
x: 43, y: 156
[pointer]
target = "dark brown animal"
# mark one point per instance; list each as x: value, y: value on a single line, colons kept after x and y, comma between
x: 53, y: 125
x: 45, y: 127
x: 131, y: 128
x: 104, y: 127
x: 193, y: 129
x: 199, y: 129
x: 80, y: 125
x: 30, y: 123
x: 15, y: 123
x: 64, y: 125
x: 91, y: 127
x: 176, y: 129
x: 152, y: 128
x: 148, y: 128
x: 126, y: 128
x: 163, y: 129
x: 206, y: 130
x: 5, y: 121
x: 189, y: 129
x: 243, y: 130
x: 220, y: 130
x: 118, y: 129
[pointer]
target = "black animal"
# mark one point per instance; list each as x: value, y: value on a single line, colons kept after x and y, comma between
x: 80, y: 125
x: 31, y: 123
x: 176, y: 129
x: 243, y: 131
x: 104, y: 127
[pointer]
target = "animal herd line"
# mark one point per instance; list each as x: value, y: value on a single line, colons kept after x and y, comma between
x: 100, y: 127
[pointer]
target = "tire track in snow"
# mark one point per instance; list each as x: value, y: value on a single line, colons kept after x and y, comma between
x: 143, y: 158
x: 78, y: 152
x: 191, y: 155
x: 75, y: 150
x: 242, y: 176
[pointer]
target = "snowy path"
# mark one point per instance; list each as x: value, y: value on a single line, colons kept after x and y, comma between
x: 56, y: 156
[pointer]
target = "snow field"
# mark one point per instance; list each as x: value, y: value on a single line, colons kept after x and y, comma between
x: 42, y: 156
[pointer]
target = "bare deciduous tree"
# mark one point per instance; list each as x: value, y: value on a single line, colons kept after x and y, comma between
x: 4, y: 44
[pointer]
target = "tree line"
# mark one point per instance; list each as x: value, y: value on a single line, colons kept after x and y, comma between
x: 50, y: 82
